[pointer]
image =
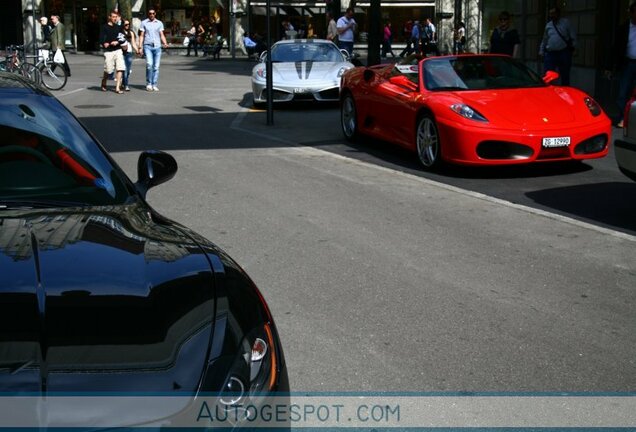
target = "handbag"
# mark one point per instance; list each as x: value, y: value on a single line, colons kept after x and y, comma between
x: 58, y: 57
x: 186, y: 41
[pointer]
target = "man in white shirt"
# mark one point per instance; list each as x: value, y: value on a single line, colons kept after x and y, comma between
x: 151, y: 40
x: 429, y: 44
x: 346, y: 27
x: 557, y: 46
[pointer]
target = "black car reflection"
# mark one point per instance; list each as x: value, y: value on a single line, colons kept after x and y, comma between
x: 98, y: 292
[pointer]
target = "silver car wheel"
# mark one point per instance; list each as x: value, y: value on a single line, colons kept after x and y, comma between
x: 348, y: 118
x: 427, y: 140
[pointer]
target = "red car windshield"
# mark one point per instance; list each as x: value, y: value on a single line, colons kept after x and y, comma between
x: 478, y: 73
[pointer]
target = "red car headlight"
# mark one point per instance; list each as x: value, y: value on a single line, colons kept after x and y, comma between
x: 594, y: 107
x: 468, y: 112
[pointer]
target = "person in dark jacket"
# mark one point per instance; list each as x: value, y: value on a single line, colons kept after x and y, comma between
x: 623, y: 62
x: 505, y: 39
x: 46, y: 33
x: 57, y: 40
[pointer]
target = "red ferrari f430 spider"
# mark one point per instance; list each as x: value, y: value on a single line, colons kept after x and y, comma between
x: 472, y: 110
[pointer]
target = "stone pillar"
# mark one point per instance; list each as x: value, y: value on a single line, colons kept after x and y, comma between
x: 31, y: 11
x: 444, y: 26
x: 472, y: 18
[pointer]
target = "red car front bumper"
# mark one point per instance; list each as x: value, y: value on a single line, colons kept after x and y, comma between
x: 483, y: 144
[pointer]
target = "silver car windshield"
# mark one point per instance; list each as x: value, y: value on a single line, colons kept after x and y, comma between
x: 302, y: 52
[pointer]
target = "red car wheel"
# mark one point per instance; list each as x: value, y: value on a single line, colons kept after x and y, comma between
x: 427, y: 142
x: 348, y: 118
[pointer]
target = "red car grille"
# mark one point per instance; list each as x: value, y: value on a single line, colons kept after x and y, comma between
x: 554, y: 153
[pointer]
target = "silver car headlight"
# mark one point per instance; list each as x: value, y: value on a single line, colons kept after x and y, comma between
x: 342, y: 70
x: 261, y: 73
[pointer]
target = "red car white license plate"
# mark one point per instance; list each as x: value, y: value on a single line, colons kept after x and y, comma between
x: 556, y: 142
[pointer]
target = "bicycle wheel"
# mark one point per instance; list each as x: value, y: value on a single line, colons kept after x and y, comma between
x: 31, y: 72
x: 8, y: 66
x: 53, y: 76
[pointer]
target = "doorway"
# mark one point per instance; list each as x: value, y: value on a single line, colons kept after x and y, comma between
x: 89, y: 23
x: 11, y: 28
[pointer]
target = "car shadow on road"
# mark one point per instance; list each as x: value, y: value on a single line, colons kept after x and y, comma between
x: 406, y: 160
x: 206, y: 66
x: 248, y: 102
x: 531, y: 170
x: 612, y: 204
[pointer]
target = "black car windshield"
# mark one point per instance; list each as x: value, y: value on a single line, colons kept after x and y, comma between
x: 309, y: 51
x: 478, y: 73
x: 48, y: 159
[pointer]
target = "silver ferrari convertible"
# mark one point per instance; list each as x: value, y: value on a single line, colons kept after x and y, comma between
x: 302, y: 69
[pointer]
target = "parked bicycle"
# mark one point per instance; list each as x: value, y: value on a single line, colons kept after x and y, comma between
x: 52, y: 74
x: 45, y: 71
x: 13, y: 62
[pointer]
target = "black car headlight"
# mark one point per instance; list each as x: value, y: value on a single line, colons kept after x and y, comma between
x: 468, y: 112
x: 254, y: 368
x: 593, y: 106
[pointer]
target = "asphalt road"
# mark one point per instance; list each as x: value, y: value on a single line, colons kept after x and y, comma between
x: 380, y: 276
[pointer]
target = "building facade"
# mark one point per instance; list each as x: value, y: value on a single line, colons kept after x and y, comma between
x: 594, y: 20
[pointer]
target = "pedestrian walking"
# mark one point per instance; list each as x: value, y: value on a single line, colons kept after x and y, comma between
x: 505, y: 39
x: 429, y: 40
x: 459, y: 38
x: 151, y: 40
x: 387, y: 40
x: 558, y: 45
x: 46, y: 33
x: 406, y: 34
x: 196, y: 35
x: 346, y: 27
x: 57, y: 41
x: 416, y: 37
x: 332, y: 29
x: 129, y: 53
x: 110, y: 39
x: 623, y: 62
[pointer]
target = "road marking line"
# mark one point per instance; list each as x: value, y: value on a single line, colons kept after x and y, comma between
x: 69, y: 93
x: 236, y: 125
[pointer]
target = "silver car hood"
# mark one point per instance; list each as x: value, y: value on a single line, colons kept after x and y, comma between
x: 307, y: 71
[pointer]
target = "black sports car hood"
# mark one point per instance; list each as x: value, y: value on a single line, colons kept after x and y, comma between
x: 103, y: 300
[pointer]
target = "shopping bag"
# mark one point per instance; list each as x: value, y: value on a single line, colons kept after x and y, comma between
x: 58, y: 57
x: 186, y: 41
x: 44, y: 54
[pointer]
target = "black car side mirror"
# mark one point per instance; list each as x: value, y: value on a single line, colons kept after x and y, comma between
x: 153, y: 168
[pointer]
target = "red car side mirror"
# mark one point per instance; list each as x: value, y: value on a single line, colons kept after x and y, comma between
x: 550, y: 76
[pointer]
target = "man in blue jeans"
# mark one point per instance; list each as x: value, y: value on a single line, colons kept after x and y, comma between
x: 151, y: 40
